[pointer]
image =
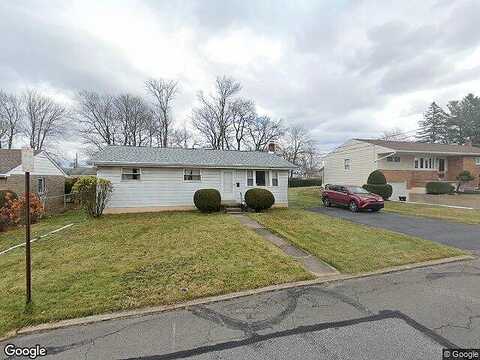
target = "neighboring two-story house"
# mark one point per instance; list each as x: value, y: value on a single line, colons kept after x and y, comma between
x: 408, y: 166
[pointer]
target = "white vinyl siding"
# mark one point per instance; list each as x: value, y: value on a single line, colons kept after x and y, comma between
x: 166, y: 187
x: 42, y: 166
x: 360, y: 158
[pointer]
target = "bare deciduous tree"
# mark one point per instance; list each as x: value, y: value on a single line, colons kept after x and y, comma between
x: 96, y: 114
x: 45, y: 119
x: 181, y: 138
x: 395, y: 134
x: 164, y: 92
x: 243, y: 113
x: 298, y: 145
x: 11, y: 116
x: 263, y: 130
x: 213, y: 116
x: 135, y: 119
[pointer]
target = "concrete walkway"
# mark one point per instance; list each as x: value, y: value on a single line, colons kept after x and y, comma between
x: 310, y: 262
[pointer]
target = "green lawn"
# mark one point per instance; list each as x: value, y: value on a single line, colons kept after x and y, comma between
x: 17, y: 236
x: 437, y: 212
x: 304, y: 197
x: 349, y: 247
x: 307, y: 197
x: 134, y: 260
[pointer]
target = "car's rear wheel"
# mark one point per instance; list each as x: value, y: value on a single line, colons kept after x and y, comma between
x: 326, y: 202
x: 353, y: 206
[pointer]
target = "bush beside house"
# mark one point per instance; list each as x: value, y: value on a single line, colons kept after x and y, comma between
x: 94, y: 194
x: 259, y: 199
x: 207, y: 200
x: 463, y: 178
x: 439, y: 187
x: 377, y: 184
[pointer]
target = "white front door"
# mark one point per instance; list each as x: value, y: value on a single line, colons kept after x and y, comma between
x: 227, y: 185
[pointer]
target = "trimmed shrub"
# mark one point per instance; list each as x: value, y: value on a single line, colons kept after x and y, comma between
x: 385, y: 191
x: 439, y: 187
x: 376, y: 178
x: 93, y: 193
x: 259, y: 199
x: 207, y: 200
x: 464, y: 177
x: 6, y: 196
x: 301, y: 182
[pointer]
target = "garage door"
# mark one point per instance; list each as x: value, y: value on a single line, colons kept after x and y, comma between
x: 399, y: 189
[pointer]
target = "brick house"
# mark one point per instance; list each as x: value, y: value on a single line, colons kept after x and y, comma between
x: 47, y: 180
x: 408, y: 166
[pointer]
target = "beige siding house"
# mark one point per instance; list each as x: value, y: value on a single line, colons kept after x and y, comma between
x: 156, y: 179
x: 408, y: 166
x: 47, y: 180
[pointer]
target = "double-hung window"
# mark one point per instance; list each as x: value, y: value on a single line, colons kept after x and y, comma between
x: 274, y: 178
x: 192, y: 175
x: 131, y: 174
x: 347, y: 164
x: 477, y: 161
x: 41, y: 188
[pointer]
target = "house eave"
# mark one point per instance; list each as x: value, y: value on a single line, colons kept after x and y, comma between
x: 179, y: 165
x: 437, y: 152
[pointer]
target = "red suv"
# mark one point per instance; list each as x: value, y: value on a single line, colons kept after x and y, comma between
x: 355, y: 197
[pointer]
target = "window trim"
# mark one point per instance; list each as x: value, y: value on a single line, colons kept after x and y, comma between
x: 44, y: 185
x: 276, y: 177
x: 477, y: 161
x: 393, y: 158
x: 268, y: 178
x: 347, y: 164
x: 420, y: 163
x: 140, y: 173
x: 192, y: 180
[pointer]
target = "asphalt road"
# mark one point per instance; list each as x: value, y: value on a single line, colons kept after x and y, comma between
x: 406, y: 315
x: 463, y: 236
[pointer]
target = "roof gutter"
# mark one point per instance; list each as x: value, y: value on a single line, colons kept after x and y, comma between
x: 123, y: 163
x: 437, y: 152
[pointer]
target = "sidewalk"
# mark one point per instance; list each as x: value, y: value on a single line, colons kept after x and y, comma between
x: 314, y: 265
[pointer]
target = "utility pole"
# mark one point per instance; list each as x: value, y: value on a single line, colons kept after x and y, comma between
x: 28, y: 166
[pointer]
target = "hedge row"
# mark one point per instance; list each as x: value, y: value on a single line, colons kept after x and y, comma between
x: 439, y: 187
x: 209, y: 200
x: 301, y: 182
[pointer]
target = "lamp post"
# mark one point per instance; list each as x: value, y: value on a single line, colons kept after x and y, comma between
x: 27, y: 166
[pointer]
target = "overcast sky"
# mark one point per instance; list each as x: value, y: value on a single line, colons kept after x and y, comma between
x: 342, y: 68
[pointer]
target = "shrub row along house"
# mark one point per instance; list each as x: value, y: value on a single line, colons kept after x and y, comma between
x: 156, y: 179
x: 407, y: 166
x: 47, y: 180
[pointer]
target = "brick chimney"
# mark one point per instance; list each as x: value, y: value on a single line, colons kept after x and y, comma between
x: 271, y: 148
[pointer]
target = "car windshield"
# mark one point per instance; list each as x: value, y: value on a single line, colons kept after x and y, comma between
x: 357, y: 190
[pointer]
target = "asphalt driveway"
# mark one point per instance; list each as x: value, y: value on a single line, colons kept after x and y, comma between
x: 463, y: 236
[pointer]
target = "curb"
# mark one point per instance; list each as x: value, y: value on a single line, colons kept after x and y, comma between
x: 163, y: 308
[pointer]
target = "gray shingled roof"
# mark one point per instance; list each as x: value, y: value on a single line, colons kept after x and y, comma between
x: 9, y: 159
x: 124, y: 155
x: 82, y: 170
x: 425, y: 147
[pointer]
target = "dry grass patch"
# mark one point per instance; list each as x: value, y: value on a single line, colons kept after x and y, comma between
x: 128, y: 261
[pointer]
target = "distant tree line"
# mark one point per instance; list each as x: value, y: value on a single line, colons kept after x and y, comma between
x: 222, y: 119
x: 459, y: 123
